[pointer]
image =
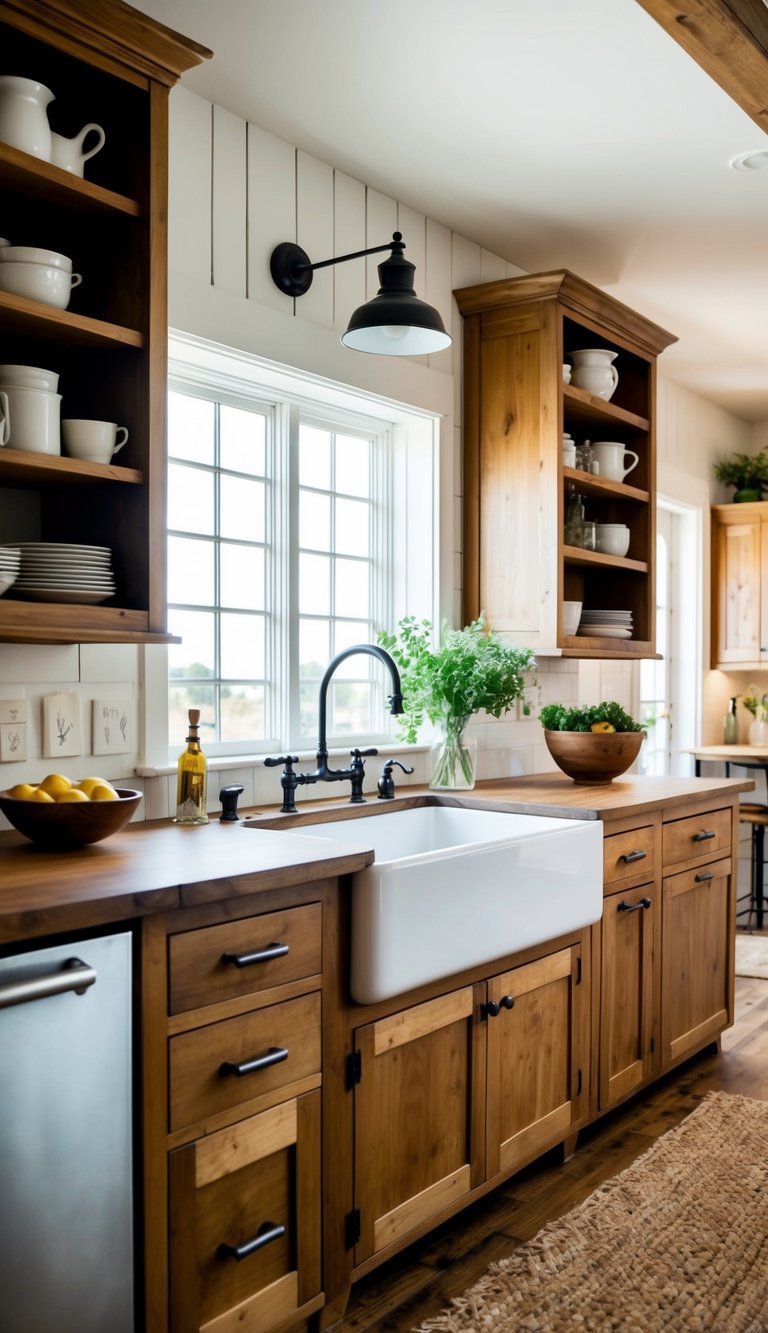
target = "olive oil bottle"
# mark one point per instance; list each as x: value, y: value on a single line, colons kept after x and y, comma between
x: 193, y: 772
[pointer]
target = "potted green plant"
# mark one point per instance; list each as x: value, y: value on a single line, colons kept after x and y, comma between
x: 470, y: 669
x: 594, y: 744
x: 747, y: 473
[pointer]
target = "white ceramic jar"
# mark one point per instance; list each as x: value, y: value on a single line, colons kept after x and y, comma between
x: 23, y: 118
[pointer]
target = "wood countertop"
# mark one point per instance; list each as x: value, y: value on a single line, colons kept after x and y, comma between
x: 159, y: 866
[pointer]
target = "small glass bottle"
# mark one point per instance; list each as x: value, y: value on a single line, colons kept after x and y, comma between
x: 574, y: 518
x: 731, y: 725
x: 190, y: 790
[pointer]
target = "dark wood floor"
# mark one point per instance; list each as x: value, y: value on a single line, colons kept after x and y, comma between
x: 422, y: 1280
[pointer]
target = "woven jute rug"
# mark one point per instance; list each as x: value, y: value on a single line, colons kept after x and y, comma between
x: 677, y: 1241
x: 751, y: 955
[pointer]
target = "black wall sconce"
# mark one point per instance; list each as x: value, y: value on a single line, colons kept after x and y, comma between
x: 394, y: 323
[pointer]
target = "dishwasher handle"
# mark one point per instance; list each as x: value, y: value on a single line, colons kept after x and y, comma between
x: 74, y: 975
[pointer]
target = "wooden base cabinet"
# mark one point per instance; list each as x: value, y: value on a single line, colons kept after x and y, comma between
x: 463, y: 1088
x: 245, y: 1222
x: 666, y: 945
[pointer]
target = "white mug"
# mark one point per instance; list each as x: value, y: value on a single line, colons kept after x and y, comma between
x: 5, y: 419
x: 612, y: 459
x: 92, y: 441
x: 68, y: 153
x: 34, y: 420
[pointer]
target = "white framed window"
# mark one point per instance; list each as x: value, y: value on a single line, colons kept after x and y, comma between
x: 302, y: 517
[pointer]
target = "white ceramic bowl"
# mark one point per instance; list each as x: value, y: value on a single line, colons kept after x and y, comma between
x: 29, y: 377
x: 39, y: 282
x: 613, y: 538
x: 32, y: 254
x: 571, y: 617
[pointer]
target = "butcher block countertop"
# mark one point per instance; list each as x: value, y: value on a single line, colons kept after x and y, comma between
x: 159, y: 866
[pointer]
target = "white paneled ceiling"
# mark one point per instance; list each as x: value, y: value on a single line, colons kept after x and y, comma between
x: 553, y: 132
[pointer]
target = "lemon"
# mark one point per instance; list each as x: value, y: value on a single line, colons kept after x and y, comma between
x: 71, y: 794
x: 40, y: 795
x: 23, y: 791
x: 104, y: 793
x: 87, y: 785
x: 602, y: 726
x: 54, y: 784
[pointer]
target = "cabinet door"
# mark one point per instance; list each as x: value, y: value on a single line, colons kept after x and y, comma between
x: 245, y: 1222
x: 414, y: 1150
x: 533, y: 1079
x: 695, y: 974
x: 736, y: 584
x: 627, y: 1056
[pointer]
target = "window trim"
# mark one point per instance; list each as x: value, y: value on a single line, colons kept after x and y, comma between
x: 197, y: 364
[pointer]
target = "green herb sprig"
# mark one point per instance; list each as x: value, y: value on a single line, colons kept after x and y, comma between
x: 472, y: 669
x: 555, y: 717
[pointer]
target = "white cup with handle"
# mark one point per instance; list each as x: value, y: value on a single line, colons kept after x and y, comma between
x: 92, y: 441
x: 612, y: 459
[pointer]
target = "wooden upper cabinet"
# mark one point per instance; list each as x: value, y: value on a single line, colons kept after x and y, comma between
x: 106, y: 63
x: 740, y: 585
x: 518, y: 569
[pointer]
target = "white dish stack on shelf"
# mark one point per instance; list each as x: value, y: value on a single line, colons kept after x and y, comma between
x: 605, y: 624
x: 10, y: 563
x: 64, y: 572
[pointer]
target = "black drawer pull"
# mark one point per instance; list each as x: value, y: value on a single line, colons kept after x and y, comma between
x: 628, y: 857
x: 634, y: 907
x: 494, y: 1008
x: 273, y: 1057
x: 258, y: 955
x: 268, y: 1231
x: 704, y: 875
x: 704, y: 835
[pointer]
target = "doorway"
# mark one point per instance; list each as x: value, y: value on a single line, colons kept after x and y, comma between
x: 669, y: 687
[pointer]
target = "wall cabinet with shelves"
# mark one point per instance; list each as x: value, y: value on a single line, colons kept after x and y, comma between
x: 518, y: 568
x: 104, y: 62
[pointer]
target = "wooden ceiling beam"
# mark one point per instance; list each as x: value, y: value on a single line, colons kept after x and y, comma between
x: 728, y: 39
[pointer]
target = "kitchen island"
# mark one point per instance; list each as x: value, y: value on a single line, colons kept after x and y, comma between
x: 338, y: 1133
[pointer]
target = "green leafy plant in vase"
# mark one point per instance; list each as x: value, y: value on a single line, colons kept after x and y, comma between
x: 471, y: 669
x: 746, y: 473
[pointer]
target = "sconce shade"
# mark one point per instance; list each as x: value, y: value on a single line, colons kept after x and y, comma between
x: 394, y: 323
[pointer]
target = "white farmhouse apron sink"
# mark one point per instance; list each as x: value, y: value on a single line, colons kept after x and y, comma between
x: 452, y: 888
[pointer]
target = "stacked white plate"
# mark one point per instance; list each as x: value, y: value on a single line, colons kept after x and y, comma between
x: 606, y: 624
x: 10, y: 562
x: 63, y: 572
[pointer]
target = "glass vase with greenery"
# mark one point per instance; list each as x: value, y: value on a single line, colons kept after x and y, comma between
x: 471, y: 669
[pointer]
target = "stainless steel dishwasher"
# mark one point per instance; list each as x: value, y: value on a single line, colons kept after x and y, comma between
x: 66, y: 1154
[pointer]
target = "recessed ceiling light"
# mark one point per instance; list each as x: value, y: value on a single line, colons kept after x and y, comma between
x: 757, y: 161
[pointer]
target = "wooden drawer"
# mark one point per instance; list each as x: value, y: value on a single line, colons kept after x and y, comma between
x: 707, y: 834
x: 244, y: 957
x: 203, y: 1081
x: 258, y: 1180
x: 627, y: 855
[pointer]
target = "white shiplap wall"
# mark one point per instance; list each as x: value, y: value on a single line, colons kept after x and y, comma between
x: 235, y: 192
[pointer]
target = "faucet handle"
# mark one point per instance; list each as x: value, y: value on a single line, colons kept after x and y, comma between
x: 288, y: 779
x: 363, y: 754
x: 287, y: 759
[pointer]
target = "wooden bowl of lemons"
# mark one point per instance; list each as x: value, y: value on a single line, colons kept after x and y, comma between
x: 59, y: 813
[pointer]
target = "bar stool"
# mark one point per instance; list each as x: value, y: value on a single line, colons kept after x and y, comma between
x: 757, y: 816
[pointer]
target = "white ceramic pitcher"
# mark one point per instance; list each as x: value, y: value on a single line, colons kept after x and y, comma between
x: 68, y: 153
x: 23, y: 119
x: 594, y: 371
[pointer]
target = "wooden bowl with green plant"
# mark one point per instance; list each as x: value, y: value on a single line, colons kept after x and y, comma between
x: 592, y: 745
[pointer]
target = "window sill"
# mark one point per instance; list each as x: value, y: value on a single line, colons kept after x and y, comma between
x: 218, y: 763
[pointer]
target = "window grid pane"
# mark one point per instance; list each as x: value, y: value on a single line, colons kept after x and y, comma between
x: 222, y: 657
x: 228, y: 480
